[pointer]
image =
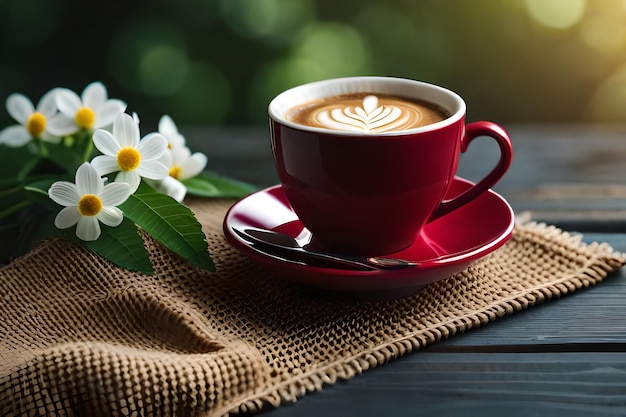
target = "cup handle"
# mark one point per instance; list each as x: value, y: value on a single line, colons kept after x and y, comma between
x: 472, y: 131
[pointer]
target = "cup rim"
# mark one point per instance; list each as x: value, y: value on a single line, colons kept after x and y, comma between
x: 286, y: 100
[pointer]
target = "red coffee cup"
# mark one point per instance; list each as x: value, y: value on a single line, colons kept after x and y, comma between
x: 372, y: 193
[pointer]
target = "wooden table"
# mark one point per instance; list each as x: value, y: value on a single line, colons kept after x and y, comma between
x: 563, y: 358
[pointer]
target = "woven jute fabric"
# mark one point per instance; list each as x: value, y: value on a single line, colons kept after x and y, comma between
x: 80, y: 336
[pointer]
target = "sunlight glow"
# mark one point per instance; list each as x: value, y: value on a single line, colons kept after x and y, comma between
x: 609, y: 100
x: 604, y: 27
x: 557, y: 14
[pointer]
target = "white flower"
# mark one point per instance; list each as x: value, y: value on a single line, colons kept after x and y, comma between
x: 178, y: 158
x: 183, y: 166
x: 168, y: 128
x: 33, y: 122
x: 186, y: 165
x: 87, y: 202
x: 125, y: 152
x: 93, y: 110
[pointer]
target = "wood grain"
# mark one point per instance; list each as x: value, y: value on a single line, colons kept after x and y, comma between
x: 556, y: 170
x: 566, y: 357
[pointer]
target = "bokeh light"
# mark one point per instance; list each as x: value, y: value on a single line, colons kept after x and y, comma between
x: 149, y: 57
x: 321, y: 50
x: 204, y: 95
x: 162, y: 69
x: 275, y: 20
x: 557, y: 14
x: 604, y: 27
x: 333, y: 50
x: 608, y: 104
x: 219, y: 62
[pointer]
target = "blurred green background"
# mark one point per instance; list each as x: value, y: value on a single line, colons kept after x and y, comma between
x: 219, y: 62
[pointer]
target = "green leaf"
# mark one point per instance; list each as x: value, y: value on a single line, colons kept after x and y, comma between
x: 170, y: 223
x: 121, y: 245
x: 212, y: 185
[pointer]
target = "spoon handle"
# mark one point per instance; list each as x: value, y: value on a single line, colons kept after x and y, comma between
x: 308, y: 256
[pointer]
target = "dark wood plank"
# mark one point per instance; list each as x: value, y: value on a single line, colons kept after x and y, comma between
x: 566, y: 357
x: 568, y: 175
x: 478, y: 384
x: 592, y: 319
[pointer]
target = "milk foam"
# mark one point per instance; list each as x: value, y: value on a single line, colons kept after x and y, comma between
x: 364, y: 113
x: 369, y: 117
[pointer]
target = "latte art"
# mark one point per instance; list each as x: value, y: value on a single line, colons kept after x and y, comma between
x: 369, y: 117
x: 364, y: 112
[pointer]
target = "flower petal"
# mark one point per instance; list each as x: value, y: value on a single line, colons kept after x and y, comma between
x: 126, y: 131
x: 88, y: 228
x: 180, y: 155
x: 167, y: 126
x: 47, y: 104
x: 152, y: 146
x: 94, y: 95
x: 61, y: 125
x: 172, y: 187
x: 166, y: 158
x: 20, y: 107
x: 64, y: 193
x: 115, y: 193
x: 154, y: 170
x: 106, y: 143
x: 105, y: 164
x: 111, y: 216
x: 88, y: 180
x: 14, y: 136
x: 132, y: 178
x: 108, y: 112
x: 68, y: 102
x: 194, y: 165
x: 67, y: 217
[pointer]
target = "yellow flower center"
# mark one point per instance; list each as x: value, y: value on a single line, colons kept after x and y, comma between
x: 85, y: 117
x: 89, y: 205
x: 36, y: 124
x: 175, y: 171
x: 128, y: 158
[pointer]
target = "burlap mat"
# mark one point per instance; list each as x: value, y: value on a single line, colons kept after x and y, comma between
x: 81, y: 337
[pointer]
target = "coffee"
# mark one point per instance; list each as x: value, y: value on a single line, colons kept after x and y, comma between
x: 372, y: 193
x: 366, y: 113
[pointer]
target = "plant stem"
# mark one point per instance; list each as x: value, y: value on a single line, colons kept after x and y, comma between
x: 43, y: 149
x: 12, y: 190
x: 88, y: 149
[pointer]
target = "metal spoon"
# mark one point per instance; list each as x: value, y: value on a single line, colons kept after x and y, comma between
x: 290, y: 248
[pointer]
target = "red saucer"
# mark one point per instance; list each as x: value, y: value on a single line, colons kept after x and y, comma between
x: 447, y: 245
